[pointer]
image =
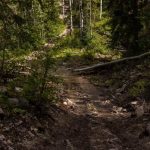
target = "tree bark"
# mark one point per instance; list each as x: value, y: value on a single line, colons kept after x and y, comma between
x: 81, y: 18
x: 91, y: 18
x: 63, y: 5
x: 101, y: 9
x: 71, y: 18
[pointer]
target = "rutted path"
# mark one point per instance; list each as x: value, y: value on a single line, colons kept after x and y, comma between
x: 88, y: 131
x: 97, y: 124
x: 84, y: 98
x: 92, y: 121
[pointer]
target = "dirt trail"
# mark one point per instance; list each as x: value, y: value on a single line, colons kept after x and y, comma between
x: 85, y: 97
x: 92, y: 129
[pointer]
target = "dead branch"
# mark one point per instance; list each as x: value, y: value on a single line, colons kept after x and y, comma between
x: 98, y: 66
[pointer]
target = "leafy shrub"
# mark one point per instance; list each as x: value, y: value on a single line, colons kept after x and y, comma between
x: 39, y: 86
x: 138, y: 88
x: 88, y: 56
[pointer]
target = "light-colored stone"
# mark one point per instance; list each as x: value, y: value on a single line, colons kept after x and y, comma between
x: 139, y: 111
x: 31, y: 134
x: 3, y: 89
x: 68, y: 103
x: 1, y: 111
x: 69, y: 146
x: 18, y: 89
x: 121, y: 89
x: 2, y: 137
x: 6, y: 129
x: 19, y: 123
x: 13, y: 101
x: 10, y: 148
x: 34, y: 129
x: 18, y: 102
x: 134, y: 103
x: 9, y: 142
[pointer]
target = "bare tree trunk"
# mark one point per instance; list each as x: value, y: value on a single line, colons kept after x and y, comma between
x: 71, y: 18
x: 81, y: 18
x: 32, y: 12
x: 97, y: 67
x: 63, y: 5
x: 91, y: 18
x: 101, y: 9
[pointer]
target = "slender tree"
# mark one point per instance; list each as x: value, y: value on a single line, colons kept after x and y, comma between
x: 91, y: 18
x: 63, y: 8
x: 101, y: 8
x: 81, y: 18
x: 71, y: 17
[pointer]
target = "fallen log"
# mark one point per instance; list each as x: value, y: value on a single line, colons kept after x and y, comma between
x: 98, y: 66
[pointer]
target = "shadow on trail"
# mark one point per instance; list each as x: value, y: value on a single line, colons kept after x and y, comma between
x: 94, y: 124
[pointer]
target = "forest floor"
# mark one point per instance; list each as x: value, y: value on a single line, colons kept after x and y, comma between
x: 102, y: 111
x: 95, y: 112
x: 100, y: 123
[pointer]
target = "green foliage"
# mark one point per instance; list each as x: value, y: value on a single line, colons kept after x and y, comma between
x: 73, y: 41
x: 88, y: 56
x: 25, y: 24
x: 39, y: 85
x: 128, y: 25
x: 53, y: 29
x: 18, y: 111
x: 3, y: 99
x: 138, y: 88
x: 68, y: 56
x: 103, y: 26
x: 109, y: 82
x: 99, y: 43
